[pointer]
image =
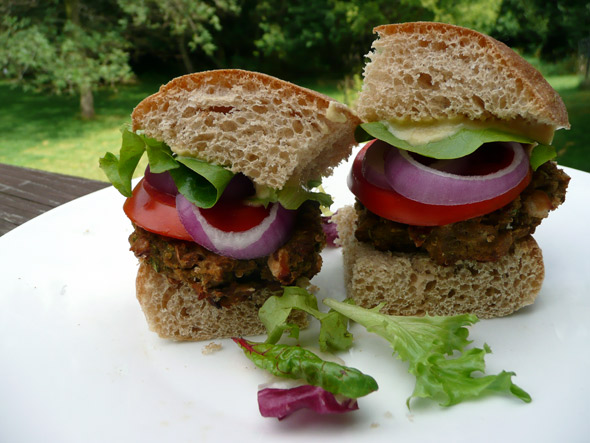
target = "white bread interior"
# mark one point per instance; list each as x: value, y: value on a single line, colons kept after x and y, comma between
x: 427, y: 71
x: 412, y: 284
x: 173, y: 311
x: 271, y: 130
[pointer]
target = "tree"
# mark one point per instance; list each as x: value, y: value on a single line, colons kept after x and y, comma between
x: 190, y: 23
x: 309, y: 37
x: 552, y: 30
x: 63, y: 47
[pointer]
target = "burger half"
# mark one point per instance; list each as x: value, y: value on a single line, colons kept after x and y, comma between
x: 458, y: 177
x: 226, y: 213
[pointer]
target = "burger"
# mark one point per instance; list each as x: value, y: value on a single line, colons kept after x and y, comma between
x: 458, y: 175
x: 227, y: 212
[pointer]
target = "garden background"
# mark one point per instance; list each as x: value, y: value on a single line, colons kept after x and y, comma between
x: 71, y: 71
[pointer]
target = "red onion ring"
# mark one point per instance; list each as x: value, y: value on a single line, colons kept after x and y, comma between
x: 373, y: 163
x: 238, y: 188
x: 259, y: 241
x: 424, y: 184
x: 161, y: 181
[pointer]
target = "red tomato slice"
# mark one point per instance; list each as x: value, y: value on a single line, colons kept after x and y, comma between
x: 155, y: 211
x: 389, y: 204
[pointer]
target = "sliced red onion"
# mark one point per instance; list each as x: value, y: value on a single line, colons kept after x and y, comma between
x: 161, y: 181
x: 281, y: 403
x: 373, y: 163
x: 238, y: 188
x: 259, y: 241
x: 330, y: 229
x: 417, y: 181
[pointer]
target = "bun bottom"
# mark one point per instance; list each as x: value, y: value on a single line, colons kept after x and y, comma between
x: 412, y: 284
x: 173, y: 310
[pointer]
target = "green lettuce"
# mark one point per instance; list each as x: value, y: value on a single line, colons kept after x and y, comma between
x: 298, y: 363
x: 541, y: 154
x: 334, y: 335
x: 430, y: 345
x: 462, y: 143
x: 200, y: 182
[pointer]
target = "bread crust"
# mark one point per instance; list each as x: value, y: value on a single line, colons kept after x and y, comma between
x: 412, y: 284
x: 173, y: 310
x: 425, y: 70
x: 269, y: 129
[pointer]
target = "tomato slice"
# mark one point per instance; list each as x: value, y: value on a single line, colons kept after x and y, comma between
x: 155, y: 212
x: 389, y: 204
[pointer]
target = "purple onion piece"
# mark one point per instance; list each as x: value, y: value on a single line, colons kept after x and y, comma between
x: 374, y: 164
x: 161, y: 181
x: 420, y: 182
x: 238, y: 188
x: 280, y: 403
x: 259, y: 241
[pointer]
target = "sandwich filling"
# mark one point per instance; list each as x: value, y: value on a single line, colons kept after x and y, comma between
x: 484, y: 238
x: 452, y: 195
x: 223, y: 280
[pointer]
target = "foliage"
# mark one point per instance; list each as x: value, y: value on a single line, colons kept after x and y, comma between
x: 476, y: 14
x: 189, y: 24
x: 327, y: 36
x: 45, y: 49
x: 78, y: 46
x: 553, y: 29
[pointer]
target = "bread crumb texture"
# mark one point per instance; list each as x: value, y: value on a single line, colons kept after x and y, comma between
x: 269, y: 129
x: 173, y: 310
x: 412, y: 284
x: 431, y: 71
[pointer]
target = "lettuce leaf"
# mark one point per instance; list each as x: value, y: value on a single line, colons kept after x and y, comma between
x: 280, y: 403
x: 119, y: 170
x: 291, y: 197
x: 334, y: 335
x: 200, y: 182
x: 460, y: 144
x: 430, y: 345
x: 299, y: 363
x: 541, y: 154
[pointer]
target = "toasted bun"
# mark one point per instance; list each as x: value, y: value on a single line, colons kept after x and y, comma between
x: 269, y: 129
x: 432, y: 71
x: 412, y: 284
x: 173, y: 311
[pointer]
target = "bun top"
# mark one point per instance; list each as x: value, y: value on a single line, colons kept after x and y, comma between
x: 271, y: 130
x: 427, y: 71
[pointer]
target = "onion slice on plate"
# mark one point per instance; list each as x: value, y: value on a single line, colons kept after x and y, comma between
x: 281, y: 403
x: 425, y: 184
x: 259, y: 241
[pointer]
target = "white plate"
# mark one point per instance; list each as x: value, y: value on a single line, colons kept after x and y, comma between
x: 77, y: 362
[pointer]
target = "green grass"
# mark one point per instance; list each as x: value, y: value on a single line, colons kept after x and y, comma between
x: 46, y: 132
x: 573, y: 145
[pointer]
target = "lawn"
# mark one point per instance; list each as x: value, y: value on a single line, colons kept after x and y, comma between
x: 46, y: 132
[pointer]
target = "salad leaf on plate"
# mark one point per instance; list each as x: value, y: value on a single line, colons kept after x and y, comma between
x: 333, y: 336
x: 298, y: 363
x: 280, y: 403
x: 430, y: 345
